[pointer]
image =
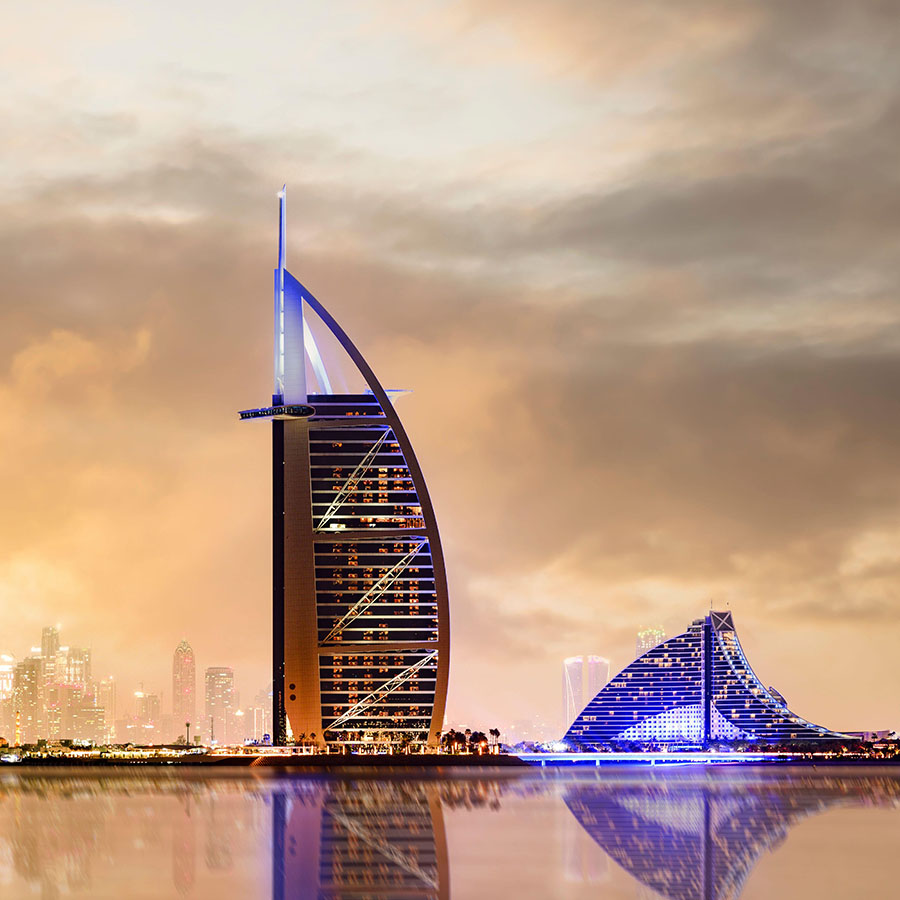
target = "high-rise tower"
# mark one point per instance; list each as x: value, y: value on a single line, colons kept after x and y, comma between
x: 647, y: 639
x: 50, y: 641
x: 184, y: 686
x: 27, y: 696
x: 583, y: 676
x: 50, y: 656
x: 360, y: 608
x: 220, y: 703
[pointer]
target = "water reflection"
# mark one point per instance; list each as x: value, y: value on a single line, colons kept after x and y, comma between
x: 342, y: 840
x: 698, y: 837
x: 128, y: 835
x: 682, y: 834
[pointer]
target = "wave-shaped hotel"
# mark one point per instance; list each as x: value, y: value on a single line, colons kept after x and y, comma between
x: 693, y: 690
x: 360, y: 605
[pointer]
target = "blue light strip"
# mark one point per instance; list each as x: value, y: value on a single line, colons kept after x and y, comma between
x: 669, y: 758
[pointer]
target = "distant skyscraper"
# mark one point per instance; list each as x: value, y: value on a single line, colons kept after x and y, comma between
x: 7, y: 671
x: 148, y: 712
x: 184, y: 687
x: 77, y: 666
x: 49, y: 641
x: 219, y: 703
x: 258, y: 722
x: 7, y: 667
x: 27, y: 698
x: 66, y: 706
x: 50, y: 652
x: 583, y: 676
x: 106, y: 700
x: 647, y: 639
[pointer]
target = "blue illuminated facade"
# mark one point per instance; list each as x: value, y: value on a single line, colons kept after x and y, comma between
x: 698, y: 837
x: 693, y: 690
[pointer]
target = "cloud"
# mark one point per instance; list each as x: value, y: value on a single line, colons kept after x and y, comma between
x: 666, y: 384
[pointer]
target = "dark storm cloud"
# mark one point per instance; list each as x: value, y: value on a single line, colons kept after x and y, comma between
x: 807, y: 209
x: 734, y: 445
x: 802, y: 216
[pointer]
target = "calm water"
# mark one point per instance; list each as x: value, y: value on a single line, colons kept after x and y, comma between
x: 683, y: 833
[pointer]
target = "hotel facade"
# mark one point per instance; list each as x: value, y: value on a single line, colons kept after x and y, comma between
x: 360, y: 602
x: 692, y: 690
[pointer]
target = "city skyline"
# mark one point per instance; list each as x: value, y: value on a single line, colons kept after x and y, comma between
x: 64, y: 698
x: 129, y: 700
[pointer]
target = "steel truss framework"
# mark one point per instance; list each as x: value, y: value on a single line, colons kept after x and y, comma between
x: 374, y: 593
x: 380, y: 693
x: 352, y: 482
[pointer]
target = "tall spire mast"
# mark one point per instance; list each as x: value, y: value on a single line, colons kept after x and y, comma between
x: 282, y: 230
x: 290, y: 359
x: 278, y: 389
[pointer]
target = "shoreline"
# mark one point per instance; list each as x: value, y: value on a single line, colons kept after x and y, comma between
x: 318, y: 762
x: 340, y: 762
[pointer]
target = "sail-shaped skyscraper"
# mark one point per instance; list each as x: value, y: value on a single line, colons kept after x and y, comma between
x: 360, y: 606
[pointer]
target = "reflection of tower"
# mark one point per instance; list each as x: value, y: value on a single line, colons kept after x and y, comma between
x: 372, y: 839
x: 583, y: 861
x: 221, y: 836
x: 698, y: 837
x: 184, y: 687
x: 184, y: 848
x: 583, y: 676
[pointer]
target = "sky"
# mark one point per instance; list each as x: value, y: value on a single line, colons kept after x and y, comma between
x: 637, y: 262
